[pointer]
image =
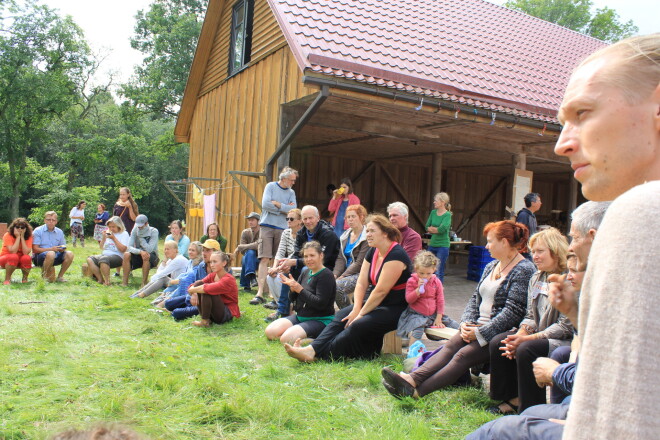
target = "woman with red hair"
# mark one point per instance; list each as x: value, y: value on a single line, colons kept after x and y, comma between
x: 498, y: 304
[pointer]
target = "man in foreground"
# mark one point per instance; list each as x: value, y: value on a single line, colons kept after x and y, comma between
x: 49, y: 249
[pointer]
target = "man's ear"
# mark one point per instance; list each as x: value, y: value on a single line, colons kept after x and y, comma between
x: 592, y: 234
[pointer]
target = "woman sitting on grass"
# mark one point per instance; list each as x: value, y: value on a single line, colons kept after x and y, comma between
x: 213, y: 231
x: 499, y: 303
x: 114, y: 242
x: 173, y: 265
x: 16, y: 248
x: 357, y: 330
x: 217, y: 297
x: 313, y: 297
x: 196, y: 257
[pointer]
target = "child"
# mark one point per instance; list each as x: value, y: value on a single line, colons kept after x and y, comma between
x: 426, y: 301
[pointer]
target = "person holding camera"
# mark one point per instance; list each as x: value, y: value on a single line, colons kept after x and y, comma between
x: 114, y: 243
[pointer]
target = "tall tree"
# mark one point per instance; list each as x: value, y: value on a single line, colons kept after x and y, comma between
x: 603, y: 24
x: 167, y: 35
x: 42, y: 57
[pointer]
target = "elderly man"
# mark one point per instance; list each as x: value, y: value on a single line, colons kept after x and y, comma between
x: 49, y: 249
x: 142, y: 250
x: 248, y: 247
x: 410, y: 240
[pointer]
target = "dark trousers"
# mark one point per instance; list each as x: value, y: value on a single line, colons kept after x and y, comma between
x: 212, y: 307
x: 510, y: 378
x: 562, y: 355
x: 449, y: 364
x: 180, y: 307
x: 361, y: 340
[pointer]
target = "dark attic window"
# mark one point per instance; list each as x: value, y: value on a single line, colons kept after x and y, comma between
x: 241, y: 36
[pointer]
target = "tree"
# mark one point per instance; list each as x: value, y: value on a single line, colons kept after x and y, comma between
x: 42, y: 57
x: 604, y: 24
x: 167, y: 34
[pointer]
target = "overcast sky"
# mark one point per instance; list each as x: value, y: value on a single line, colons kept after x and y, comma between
x: 109, y: 25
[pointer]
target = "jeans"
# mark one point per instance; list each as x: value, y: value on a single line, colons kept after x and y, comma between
x: 283, y: 303
x: 442, y: 253
x: 181, y: 308
x: 249, y: 265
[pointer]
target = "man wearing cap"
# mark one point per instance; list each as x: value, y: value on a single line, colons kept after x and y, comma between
x: 179, y: 302
x: 142, y: 250
x: 278, y: 199
x: 49, y: 248
x: 248, y: 247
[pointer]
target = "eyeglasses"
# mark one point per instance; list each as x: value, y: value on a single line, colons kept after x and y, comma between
x: 290, y: 219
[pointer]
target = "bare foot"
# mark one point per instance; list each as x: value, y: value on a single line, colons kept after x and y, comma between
x: 61, y: 280
x: 107, y: 283
x: 303, y: 354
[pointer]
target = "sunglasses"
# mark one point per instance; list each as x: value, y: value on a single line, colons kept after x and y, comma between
x: 20, y: 227
x: 290, y: 219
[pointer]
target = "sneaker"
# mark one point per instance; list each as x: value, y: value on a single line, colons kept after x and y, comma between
x: 274, y: 316
x: 257, y: 300
x: 271, y: 305
x: 246, y: 289
x: 254, y: 282
x: 116, y: 275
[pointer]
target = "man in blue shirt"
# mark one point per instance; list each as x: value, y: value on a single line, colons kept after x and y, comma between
x: 49, y: 249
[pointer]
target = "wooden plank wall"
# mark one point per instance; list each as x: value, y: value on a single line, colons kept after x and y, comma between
x: 466, y: 190
x: 266, y: 37
x: 236, y: 127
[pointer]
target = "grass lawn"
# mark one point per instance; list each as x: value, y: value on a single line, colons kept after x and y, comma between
x: 76, y: 354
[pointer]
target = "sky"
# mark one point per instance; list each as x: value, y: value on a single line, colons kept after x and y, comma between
x: 108, y: 26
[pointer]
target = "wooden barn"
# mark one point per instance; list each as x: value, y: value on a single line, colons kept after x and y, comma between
x: 405, y: 97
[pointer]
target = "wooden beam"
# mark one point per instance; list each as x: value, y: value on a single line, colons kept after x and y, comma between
x: 233, y: 175
x: 436, y: 173
x: 339, y: 142
x: 466, y: 221
x: 398, y: 189
x: 360, y: 174
x: 183, y: 205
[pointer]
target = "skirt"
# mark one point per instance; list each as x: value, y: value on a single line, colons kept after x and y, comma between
x: 99, y: 230
x: 411, y: 320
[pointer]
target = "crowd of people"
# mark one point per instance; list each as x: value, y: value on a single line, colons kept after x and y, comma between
x: 339, y: 286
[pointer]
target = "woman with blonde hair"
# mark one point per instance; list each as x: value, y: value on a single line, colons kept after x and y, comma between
x: 438, y: 226
x: 542, y: 330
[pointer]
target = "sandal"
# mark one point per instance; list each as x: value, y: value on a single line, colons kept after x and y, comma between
x: 498, y: 411
x: 397, y: 385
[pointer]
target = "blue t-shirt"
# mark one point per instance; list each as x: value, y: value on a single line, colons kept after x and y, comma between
x: 348, y: 249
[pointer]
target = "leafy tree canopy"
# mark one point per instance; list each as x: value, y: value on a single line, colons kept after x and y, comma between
x: 604, y: 24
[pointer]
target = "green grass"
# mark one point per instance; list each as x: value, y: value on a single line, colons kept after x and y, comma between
x: 77, y: 354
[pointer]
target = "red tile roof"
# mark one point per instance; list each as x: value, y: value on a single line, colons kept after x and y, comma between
x: 467, y: 51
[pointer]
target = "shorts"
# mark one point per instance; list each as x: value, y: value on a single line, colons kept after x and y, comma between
x: 38, y: 259
x: 136, y: 260
x: 111, y: 260
x: 269, y: 241
x: 312, y: 328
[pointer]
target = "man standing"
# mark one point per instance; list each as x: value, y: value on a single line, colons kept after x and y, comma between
x: 527, y: 216
x: 278, y: 199
x: 410, y: 240
x: 611, y: 134
x: 248, y: 247
x: 49, y: 249
x: 142, y: 250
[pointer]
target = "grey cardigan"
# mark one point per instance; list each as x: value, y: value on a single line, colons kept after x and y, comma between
x: 358, y: 253
x: 509, y: 304
x: 542, y: 317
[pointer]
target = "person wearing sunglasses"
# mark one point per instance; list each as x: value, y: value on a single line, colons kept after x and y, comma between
x: 16, y: 248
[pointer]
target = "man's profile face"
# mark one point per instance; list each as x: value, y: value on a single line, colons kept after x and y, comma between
x: 580, y: 246
x: 611, y: 143
x: 397, y: 219
x: 536, y: 205
x: 206, y: 253
x: 288, y: 182
x: 252, y: 222
x: 310, y: 219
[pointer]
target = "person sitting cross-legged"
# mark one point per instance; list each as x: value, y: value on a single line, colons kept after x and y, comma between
x: 217, y: 297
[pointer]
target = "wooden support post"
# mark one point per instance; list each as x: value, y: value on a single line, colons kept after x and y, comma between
x: 519, y: 162
x: 392, y: 343
x: 436, y: 174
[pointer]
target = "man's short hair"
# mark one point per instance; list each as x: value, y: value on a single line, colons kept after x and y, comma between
x: 49, y: 213
x: 287, y: 172
x: 313, y: 208
x: 531, y: 198
x: 634, y: 67
x: 399, y: 206
x: 589, y: 216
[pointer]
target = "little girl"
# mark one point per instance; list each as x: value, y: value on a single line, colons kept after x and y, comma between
x: 426, y: 301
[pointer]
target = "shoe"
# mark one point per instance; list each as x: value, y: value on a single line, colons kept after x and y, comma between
x: 254, y: 282
x: 498, y: 411
x: 274, y: 316
x: 116, y: 275
x: 257, y: 300
x: 390, y: 389
x: 246, y: 289
x: 6, y: 283
x: 271, y: 305
x: 398, y: 386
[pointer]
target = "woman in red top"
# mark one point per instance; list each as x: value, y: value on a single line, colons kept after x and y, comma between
x: 217, y: 297
x: 16, y: 248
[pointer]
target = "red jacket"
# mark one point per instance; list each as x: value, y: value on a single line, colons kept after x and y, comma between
x: 431, y: 301
x: 334, y: 204
x: 227, y: 288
